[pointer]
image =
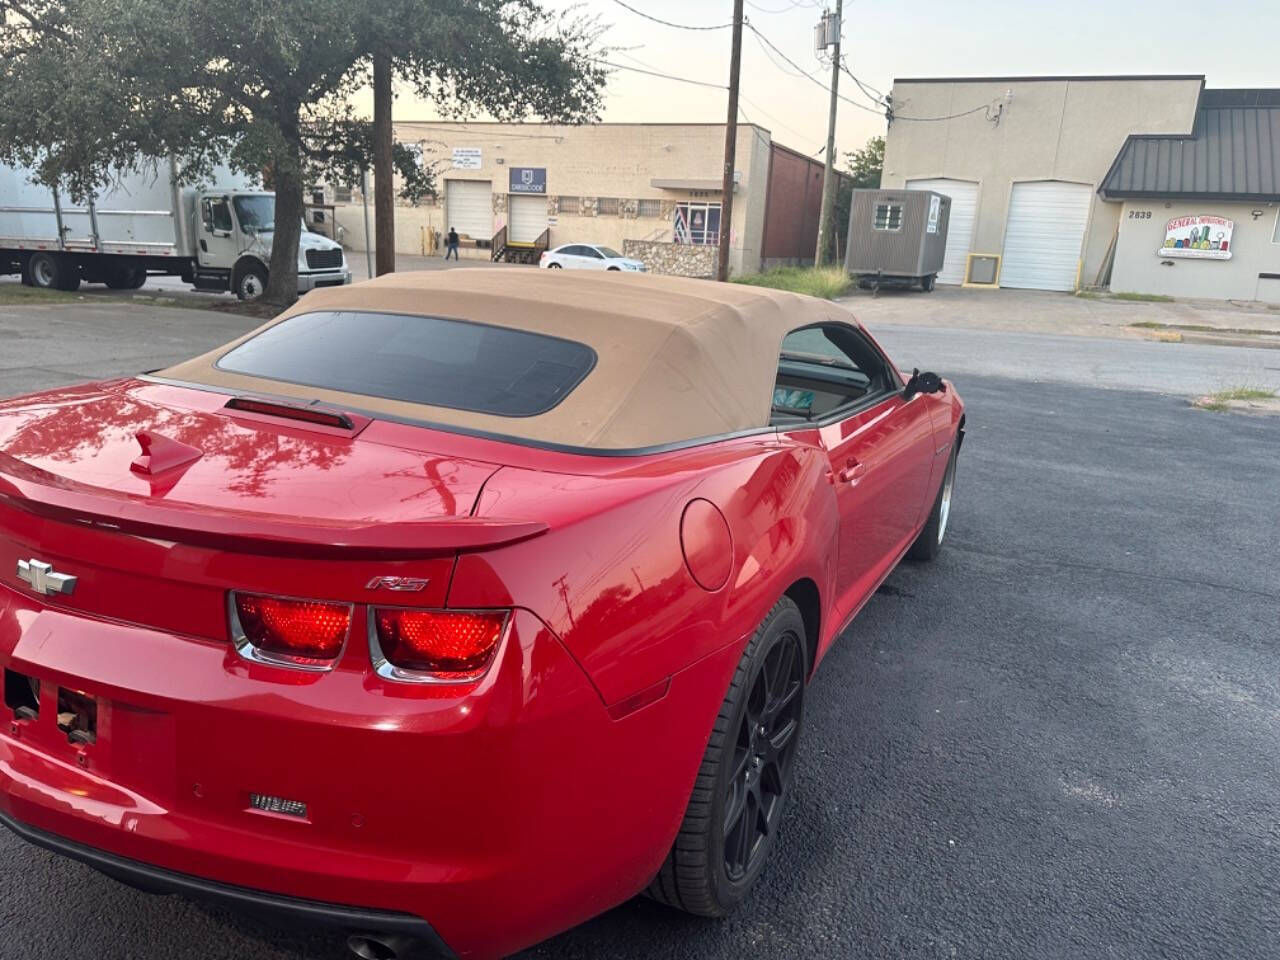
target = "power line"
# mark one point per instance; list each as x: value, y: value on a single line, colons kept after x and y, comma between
x: 953, y: 116
x: 765, y: 40
x: 668, y: 23
x: 665, y: 76
x: 794, y: 5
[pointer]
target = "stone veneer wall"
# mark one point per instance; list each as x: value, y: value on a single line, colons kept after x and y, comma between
x: 674, y: 259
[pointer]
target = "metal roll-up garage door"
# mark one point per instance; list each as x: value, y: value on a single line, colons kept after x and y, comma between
x: 964, y: 209
x: 528, y: 217
x: 1045, y: 234
x: 468, y: 207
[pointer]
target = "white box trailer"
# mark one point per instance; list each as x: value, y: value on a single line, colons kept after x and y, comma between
x: 215, y: 236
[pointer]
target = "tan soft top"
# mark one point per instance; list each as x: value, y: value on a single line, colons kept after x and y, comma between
x: 678, y: 359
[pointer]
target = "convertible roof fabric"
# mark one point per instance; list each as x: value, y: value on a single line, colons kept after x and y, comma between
x: 678, y: 359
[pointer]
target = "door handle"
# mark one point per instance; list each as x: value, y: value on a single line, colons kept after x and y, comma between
x: 853, y: 471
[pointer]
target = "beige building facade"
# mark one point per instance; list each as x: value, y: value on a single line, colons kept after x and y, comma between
x: 652, y: 191
x: 1022, y: 159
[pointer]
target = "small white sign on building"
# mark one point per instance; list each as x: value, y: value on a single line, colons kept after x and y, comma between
x: 467, y: 158
x: 935, y: 212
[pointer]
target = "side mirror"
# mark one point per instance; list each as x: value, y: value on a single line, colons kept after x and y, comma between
x: 923, y: 383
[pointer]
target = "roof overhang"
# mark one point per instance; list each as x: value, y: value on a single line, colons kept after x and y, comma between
x: 664, y: 184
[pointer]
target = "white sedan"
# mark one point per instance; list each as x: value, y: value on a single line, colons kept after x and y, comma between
x: 587, y: 256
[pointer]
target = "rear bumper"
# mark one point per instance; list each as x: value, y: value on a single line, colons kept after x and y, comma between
x: 275, y: 907
x: 493, y: 815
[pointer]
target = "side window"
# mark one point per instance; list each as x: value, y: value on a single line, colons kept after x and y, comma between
x: 217, y: 215
x: 576, y: 250
x: 888, y: 217
x: 824, y: 370
x: 591, y: 252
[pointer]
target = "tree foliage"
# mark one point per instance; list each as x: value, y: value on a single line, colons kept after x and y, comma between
x: 89, y: 88
x: 867, y: 165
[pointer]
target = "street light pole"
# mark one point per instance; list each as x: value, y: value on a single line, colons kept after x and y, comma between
x: 730, y: 147
x: 825, y: 225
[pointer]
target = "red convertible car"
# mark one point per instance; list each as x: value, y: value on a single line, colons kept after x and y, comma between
x: 451, y: 609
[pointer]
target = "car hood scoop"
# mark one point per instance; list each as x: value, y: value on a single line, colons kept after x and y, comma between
x: 204, y: 459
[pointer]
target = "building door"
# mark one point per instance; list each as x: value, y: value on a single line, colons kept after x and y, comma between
x: 468, y: 206
x: 964, y: 209
x: 528, y: 217
x: 1045, y: 234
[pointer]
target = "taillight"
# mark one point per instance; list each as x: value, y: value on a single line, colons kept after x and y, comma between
x: 283, y: 630
x: 450, y: 646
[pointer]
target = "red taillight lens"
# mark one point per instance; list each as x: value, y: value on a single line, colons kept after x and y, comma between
x: 301, y: 632
x: 440, y: 644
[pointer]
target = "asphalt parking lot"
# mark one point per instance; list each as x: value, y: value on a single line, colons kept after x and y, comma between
x: 1062, y: 739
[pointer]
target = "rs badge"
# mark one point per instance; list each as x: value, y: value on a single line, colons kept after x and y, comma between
x: 398, y: 584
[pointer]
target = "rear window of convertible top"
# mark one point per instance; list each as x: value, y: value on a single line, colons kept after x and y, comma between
x: 417, y: 359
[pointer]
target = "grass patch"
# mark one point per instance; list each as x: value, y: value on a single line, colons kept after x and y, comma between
x: 1143, y: 297
x: 1243, y: 393
x: 1221, y: 401
x: 15, y: 294
x: 1200, y: 328
x: 826, y: 283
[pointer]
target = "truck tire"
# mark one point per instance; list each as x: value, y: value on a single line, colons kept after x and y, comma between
x: 250, y: 281
x: 52, y: 271
x: 927, y: 282
x: 126, y: 278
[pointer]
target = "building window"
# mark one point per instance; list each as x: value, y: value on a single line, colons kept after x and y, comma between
x: 608, y: 206
x: 648, y: 208
x: 697, y: 223
x: 888, y: 217
x: 341, y: 194
x: 571, y: 206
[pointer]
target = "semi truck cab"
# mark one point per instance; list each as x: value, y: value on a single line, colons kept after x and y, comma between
x: 234, y: 232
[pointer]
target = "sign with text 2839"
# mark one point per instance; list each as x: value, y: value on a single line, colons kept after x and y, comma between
x: 528, y: 180
x: 1198, y: 238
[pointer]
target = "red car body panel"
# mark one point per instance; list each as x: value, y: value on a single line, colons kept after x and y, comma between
x: 501, y: 810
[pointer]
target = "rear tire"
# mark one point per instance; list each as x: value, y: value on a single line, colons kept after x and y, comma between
x: 731, y: 823
x: 926, y: 283
x: 51, y: 271
x: 126, y: 278
x: 554, y: 266
x: 929, y: 542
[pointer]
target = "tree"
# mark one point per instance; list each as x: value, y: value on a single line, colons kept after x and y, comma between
x: 866, y: 165
x: 864, y: 169
x: 91, y: 87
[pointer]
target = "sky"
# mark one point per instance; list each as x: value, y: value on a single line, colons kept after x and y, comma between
x: 1232, y: 44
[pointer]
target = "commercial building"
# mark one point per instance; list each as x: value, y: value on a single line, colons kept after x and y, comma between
x: 651, y: 191
x: 1150, y: 184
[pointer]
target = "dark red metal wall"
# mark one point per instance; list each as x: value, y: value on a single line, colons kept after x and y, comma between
x: 792, y: 205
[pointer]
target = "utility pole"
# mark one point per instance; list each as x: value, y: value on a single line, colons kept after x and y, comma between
x: 730, y: 146
x: 825, y: 225
x: 384, y: 187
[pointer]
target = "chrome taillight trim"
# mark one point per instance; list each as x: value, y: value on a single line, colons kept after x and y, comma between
x: 244, y: 646
x: 389, y: 671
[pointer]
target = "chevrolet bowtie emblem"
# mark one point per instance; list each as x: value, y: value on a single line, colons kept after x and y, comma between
x: 44, y: 579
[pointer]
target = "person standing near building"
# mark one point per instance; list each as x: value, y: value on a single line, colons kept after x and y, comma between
x: 452, y: 244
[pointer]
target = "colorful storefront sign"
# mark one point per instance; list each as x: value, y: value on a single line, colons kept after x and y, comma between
x: 1198, y: 238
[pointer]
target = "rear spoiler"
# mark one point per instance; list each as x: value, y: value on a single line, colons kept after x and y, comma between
x: 44, y: 494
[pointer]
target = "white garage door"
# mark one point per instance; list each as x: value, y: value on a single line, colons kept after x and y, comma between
x: 528, y: 218
x: 1045, y: 234
x: 964, y: 208
x: 469, y: 208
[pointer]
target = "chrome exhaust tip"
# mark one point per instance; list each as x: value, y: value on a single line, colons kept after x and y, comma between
x: 371, y: 946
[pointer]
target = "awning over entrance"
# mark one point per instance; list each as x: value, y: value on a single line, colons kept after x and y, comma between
x: 663, y: 184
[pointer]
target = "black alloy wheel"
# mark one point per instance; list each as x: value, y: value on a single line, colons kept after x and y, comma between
x: 760, y: 769
x: 732, y: 820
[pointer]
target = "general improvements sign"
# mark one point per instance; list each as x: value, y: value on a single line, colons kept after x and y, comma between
x: 1198, y: 238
